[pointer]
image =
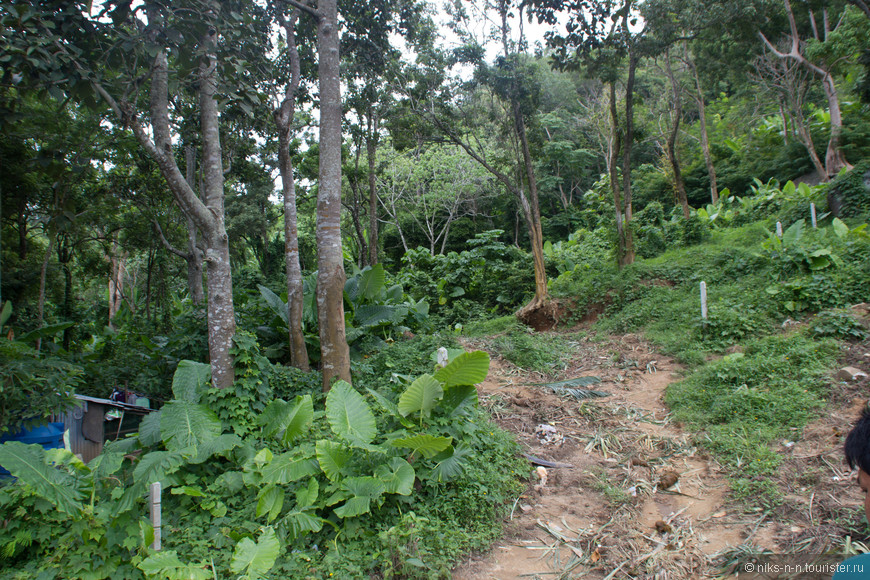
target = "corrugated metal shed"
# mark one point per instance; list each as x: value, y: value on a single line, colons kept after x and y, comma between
x: 97, y: 421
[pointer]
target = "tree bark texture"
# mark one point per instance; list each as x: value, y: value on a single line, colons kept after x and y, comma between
x: 705, y: 141
x: 627, y: 147
x: 334, y: 351
x: 614, y: 146
x: 283, y: 119
x: 371, y: 154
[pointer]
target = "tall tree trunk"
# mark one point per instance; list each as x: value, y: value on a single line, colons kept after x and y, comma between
x: 614, y: 146
x: 371, y: 153
x: 43, y: 275
x: 221, y: 313
x: 334, y: 351
x: 676, y: 91
x: 705, y: 141
x: 626, y: 155
x: 194, y: 255
x: 283, y: 119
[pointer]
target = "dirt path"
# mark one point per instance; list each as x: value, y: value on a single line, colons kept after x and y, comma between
x: 614, y: 513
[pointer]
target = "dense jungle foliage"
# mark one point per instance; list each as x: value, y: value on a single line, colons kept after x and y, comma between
x: 599, y: 172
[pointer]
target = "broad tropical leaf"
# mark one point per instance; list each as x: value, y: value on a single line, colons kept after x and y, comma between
x: 149, y: 429
x: 452, y: 464
x: 190, y: 380
x: 155, y: 466
x: 306, y: 496
x: 460, y: 400
x: 794, y: 233
x: 284, y: 468
x: 349, y: 415
x: 276, y: 304
x: 270, y: 500
x: 387, y: 404
x: 27, y: 463
x: 424, y: 444
x: 395, y: 293
x: 333, y: 458
x: 184, y: 424
x: 369, y: 315
x: 397, y: 476
x: 46, y: 331
x: 256, y: 559
x: 469, y: 368
x: 105, y: 464
x: 371, y: 281
x: 364, y: 490
x: 422, y: 395
x: 217, y: 446
x: 291, y: 418
x: 299, y: 523
x: 168, y: 565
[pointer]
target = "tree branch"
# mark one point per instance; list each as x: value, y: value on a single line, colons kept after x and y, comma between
x: 183, y: 255
x: 305, y: 8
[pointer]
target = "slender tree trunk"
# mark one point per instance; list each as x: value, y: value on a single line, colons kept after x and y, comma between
x: 194, y: 255
x: 283, y: 117
x: 221, y: 313
x: 43, y: 275
x: 626, y: 155
x: 371, y: 153
x: 835, y: 159
x: 705, y: 141
x: 614, y: 146
x: 334, y: 351
x: 679, y: 185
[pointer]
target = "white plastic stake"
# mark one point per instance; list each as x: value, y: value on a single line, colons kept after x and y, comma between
x: 779, y: 230
x: 704, y: 300
x: 813, y: 214
x: 155, y: 514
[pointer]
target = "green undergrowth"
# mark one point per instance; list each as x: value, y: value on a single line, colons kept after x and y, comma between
x: 529, y: 350
x: 395, y: 477
x: 744, y: 406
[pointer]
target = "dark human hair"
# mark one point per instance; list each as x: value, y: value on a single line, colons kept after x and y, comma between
x: 857, y: 447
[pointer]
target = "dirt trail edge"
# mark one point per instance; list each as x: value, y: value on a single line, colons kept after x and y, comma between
x: 639, y: 500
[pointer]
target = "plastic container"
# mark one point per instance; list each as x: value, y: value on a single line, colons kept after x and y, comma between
x: 50, y: 436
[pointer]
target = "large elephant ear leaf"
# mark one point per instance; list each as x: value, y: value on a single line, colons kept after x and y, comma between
x: 422, y: 396
x: 27, y: 463
x: 423, y: 444
x: 188, y: 425
x: 397, y: 476
x: 290, y: 418
x: 349, y: 415
x: 468, y: 368
x: 460, y: 400
x: 255, y: 559
x: 333, y: 458
x: 451, y: 463
x: 371, y: 281
x: 190, y: 380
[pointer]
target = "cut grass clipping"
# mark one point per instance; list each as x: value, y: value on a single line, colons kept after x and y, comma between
x: 569, y: 388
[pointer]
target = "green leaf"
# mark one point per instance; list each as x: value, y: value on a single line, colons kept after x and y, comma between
x: 364, y: 490
x: 256, y: 559
x: 284, y: 468
x: 299, y: 522
x: 349, y: 415
x: 794, y: 233
x: 469, y: 368
x: 187, y: 490
x: 105, y: 464
x: 290, y: 418
x: 840, y: 228
x: 270, y: 500
x: 184, y: 424
x: 5, y: 312
x: 423, y: 394
x: 397, y: 476
x: 27, y: 463
x: 333, y: 458
x: 387, y: 404
x: 460, y: 400
x: 306, y: 496
x: 394, y: 293
x: 155, y: 466
x: 276, y: 304
x: 423, y: 444
x: 369, y: 315
x: 46, y: 331
x: 217, y: 446
x: 451, y: 463
x: 149, y: 429
x: 166, y: 564
x: 371, y: 281
x: 190, y: 380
